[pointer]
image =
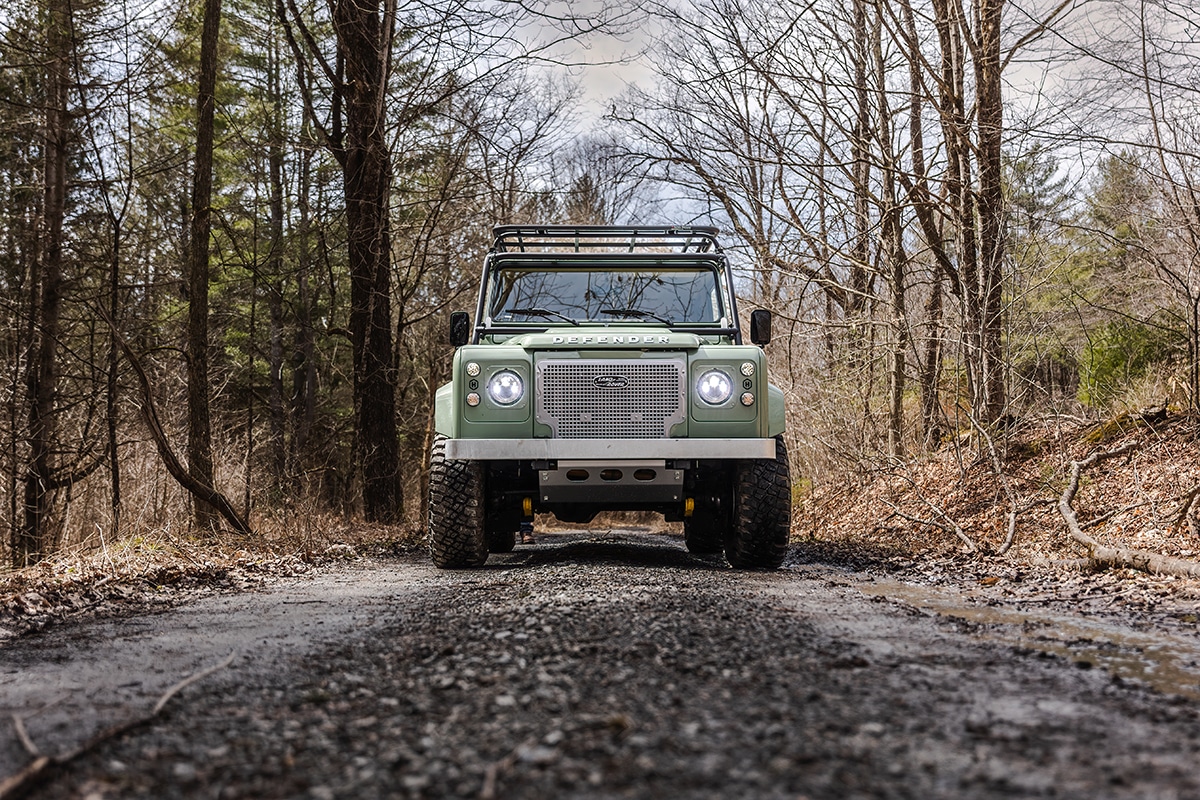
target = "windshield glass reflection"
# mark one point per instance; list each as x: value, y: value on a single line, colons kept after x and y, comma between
x: 680, y: 296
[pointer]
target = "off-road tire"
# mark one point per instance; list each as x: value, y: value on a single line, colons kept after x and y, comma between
x: 762, y: 512
x: 456, y: 517
x: 704, y: 535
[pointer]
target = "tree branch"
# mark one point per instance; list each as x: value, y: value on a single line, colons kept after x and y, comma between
x: 200, y: 491
x: 949, y: 525
x: 1189, y: 500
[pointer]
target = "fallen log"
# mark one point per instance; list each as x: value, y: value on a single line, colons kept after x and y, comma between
x: 1102, y: 556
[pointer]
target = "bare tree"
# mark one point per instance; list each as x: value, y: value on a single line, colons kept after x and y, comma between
x: 35, y: 537
x: 1131, y: 101
x: 356, y: 135
x: 985, y: 306
x: 200, y: 459
x: 1175, y: 142
x: 424, y: 57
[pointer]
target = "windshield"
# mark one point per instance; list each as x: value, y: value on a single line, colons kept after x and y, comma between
x: 674, y: 296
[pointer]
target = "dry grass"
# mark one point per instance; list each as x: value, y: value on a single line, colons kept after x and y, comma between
x: 155, y: 537
x: 162, y: 566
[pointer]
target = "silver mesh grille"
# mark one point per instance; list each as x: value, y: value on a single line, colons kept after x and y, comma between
x: 611, y: 399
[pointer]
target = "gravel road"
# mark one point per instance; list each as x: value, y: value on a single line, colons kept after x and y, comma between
x: 610, y: 664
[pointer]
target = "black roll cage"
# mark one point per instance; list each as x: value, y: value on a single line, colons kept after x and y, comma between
x: 601, y: 245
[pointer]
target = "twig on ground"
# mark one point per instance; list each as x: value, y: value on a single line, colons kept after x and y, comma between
x: 22, y: 782
x: 1059, y: 598
x: 23, y: 735
x: 188, y: 681
x: 949, y: 525
x: 1002, y: 478
x: 1106, y: 516
x: 497, y: 768
x: 1011, y: 535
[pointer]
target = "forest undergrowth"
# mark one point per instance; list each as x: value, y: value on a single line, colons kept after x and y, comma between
x: 975, y: 514
x: 161, y: 568
x: 992, y: 516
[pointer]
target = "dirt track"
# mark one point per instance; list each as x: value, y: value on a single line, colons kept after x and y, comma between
x: 611, y: 665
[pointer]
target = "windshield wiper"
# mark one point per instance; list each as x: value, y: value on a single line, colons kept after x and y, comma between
x: 541, y: 312
x: 637, y: 313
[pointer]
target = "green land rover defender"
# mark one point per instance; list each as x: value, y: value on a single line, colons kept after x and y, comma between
x: 606, y: 372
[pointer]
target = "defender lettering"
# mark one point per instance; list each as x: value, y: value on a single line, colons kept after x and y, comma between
x: 630, y: 339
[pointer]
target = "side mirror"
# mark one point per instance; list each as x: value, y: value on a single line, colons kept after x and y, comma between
x: 760, y: 326
x: 460, y: 328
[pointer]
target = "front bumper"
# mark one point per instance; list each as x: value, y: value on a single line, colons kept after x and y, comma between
x: 607, y: 449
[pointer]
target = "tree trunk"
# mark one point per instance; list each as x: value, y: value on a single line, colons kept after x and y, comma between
x: 200, y: 463
x: 35, y: 538
x: 112, y: 386
x: 930, y: 357
x: 367, y: 174
x: 304, y: 376
x: 1194, y: 356
x: 860, y: 145
x: 977, y: 211
x: 275, y: 281
x: 931, y: 365
x: 990, y: 400
x: 251, y: 405
x: 895, y: 254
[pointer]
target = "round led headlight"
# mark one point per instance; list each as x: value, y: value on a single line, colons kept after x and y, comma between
x: 505, y: 388
x: 714, y: 387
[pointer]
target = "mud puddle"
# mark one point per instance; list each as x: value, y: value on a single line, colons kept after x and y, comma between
x: 1164, y: 662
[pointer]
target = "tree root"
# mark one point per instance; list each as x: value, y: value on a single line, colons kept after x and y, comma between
x: 1102, y: 556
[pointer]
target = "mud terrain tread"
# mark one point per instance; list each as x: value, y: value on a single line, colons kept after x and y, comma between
x: 762, y: 512
x: 456, y: 534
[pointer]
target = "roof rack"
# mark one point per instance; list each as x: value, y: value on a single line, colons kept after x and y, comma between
x: 605, y: 239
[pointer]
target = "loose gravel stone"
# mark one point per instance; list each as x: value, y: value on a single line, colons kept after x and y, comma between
x: 617, y: 665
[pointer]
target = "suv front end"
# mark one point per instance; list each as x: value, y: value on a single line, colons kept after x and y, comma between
x: 606, y: 371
